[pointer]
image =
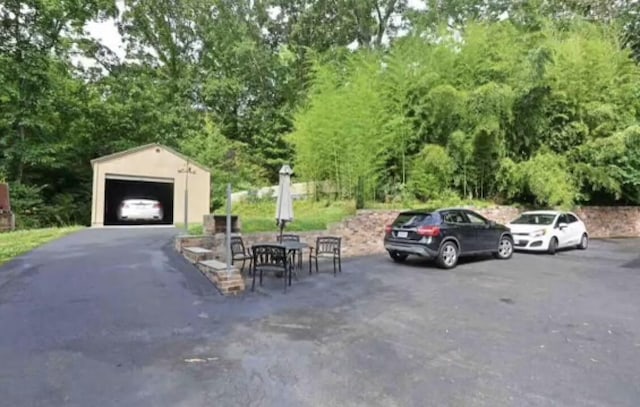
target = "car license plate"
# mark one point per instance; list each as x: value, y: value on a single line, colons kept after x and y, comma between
x: 522, y: 242
x: 403, y: 234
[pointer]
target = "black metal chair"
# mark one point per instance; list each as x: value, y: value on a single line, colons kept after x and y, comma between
x: 268, y: 257
x: 327, y: 247
x: 288, y: 238
x: 294, y: 254
x: 239, y: 252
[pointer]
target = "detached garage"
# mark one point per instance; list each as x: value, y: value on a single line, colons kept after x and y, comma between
x: 153, y: 175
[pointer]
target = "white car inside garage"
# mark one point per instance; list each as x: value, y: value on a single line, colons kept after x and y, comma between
x: 548, y: 231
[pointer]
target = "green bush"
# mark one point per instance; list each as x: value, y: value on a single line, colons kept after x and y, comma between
x: 431, y: 173
x: 549, y: 181
x: 34, y: 209
x: 609, y: 168
x: 545, y: 178
x: 28, y: 205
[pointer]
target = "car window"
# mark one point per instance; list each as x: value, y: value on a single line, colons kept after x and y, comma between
x: 476, y: 219
x: 534, y: 219
x: 454, y: 217
x: 561, y: 219
x: 410, y: 220
x: 571, y: 218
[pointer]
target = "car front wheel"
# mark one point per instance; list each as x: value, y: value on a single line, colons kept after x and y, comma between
x: 553, y: 246
x: 505, y: 248
x: 448, y: 255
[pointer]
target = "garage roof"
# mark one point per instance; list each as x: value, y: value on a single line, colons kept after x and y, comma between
x: 145, y: 147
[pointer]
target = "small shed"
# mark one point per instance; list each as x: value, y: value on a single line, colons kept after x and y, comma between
x: 151, y: 171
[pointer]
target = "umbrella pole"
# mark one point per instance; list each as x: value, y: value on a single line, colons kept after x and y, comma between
x: 281, y: 229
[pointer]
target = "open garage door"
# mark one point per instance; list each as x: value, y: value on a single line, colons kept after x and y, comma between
x: 138, y: 201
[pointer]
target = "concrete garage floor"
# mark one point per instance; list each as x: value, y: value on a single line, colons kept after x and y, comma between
x: 115, y: 318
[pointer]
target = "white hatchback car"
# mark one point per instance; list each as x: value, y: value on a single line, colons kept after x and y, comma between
x: 140, y: 209
x: 548, y: 231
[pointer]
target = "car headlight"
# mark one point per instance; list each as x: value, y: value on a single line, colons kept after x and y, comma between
x: 539, y: 233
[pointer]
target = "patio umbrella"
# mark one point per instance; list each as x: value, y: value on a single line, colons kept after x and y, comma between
x: 284, y: 205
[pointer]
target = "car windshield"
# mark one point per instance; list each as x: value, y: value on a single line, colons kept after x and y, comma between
x: 411, y: 220
x: 534, y: 219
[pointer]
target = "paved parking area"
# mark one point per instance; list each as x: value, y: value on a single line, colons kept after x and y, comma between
x: 123, y: 322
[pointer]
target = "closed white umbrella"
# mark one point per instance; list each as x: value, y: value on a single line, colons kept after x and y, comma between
x: 284, y: 205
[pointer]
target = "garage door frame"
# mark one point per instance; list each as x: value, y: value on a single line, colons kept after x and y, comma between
x: 164, y: 181
x: 124, y: 177
x: 153, y: 163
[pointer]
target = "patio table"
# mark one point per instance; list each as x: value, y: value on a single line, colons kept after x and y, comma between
x: 292, y: 247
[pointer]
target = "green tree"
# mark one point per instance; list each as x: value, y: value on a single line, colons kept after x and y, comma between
x: 544, y: 180
x: 608, y: 169
x: 460, y: 148
x: 487, y: 153
x: 227, y: 160
x: 431, y: 172
x: 548, y: 180
x: 35, y: 40
x: 337, y: 135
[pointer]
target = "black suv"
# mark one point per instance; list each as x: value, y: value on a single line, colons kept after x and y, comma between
x: 445, y: 235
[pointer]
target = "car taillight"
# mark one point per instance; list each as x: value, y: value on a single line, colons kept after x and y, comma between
x: 388, y: 229
x: 429, y: 231
x: 157, y: 205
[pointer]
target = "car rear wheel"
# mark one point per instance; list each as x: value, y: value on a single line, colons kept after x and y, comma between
x: 553, y: 246
x: 505, y: 248
x: 398, y: 257
x: 448, y: 255
x: 584, y: 242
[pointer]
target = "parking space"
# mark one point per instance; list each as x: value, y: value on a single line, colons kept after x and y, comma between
x: 536, y: 330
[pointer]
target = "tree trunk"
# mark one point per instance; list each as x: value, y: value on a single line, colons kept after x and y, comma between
x: 383, y: 20
x: 21, y: 140
x: 19, y: 156
x: 360, y: 193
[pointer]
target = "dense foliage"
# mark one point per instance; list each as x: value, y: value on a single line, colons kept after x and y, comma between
x: 545, y: 115
x: 533, y: 102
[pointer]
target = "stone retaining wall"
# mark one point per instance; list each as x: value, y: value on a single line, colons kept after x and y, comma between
x: 181, y: 242
x: 611, y: 221
x: 227, y: 283
x: 362, y: 234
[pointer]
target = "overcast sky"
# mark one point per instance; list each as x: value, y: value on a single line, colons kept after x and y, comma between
x: 107, y: 32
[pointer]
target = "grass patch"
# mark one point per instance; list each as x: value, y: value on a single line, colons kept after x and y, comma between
x: 308, y: 215
x: 311, y: 215
x: 195, y: 229
x: 13, y: 244
x: 259, y: 216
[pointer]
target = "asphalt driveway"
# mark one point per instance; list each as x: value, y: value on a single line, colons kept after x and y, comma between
x: 114, y: 318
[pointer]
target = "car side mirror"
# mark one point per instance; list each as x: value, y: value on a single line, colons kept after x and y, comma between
x: 563, y: 226
x: 491, y: 223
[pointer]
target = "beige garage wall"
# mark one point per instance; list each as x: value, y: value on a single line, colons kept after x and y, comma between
x: 151, y: 162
